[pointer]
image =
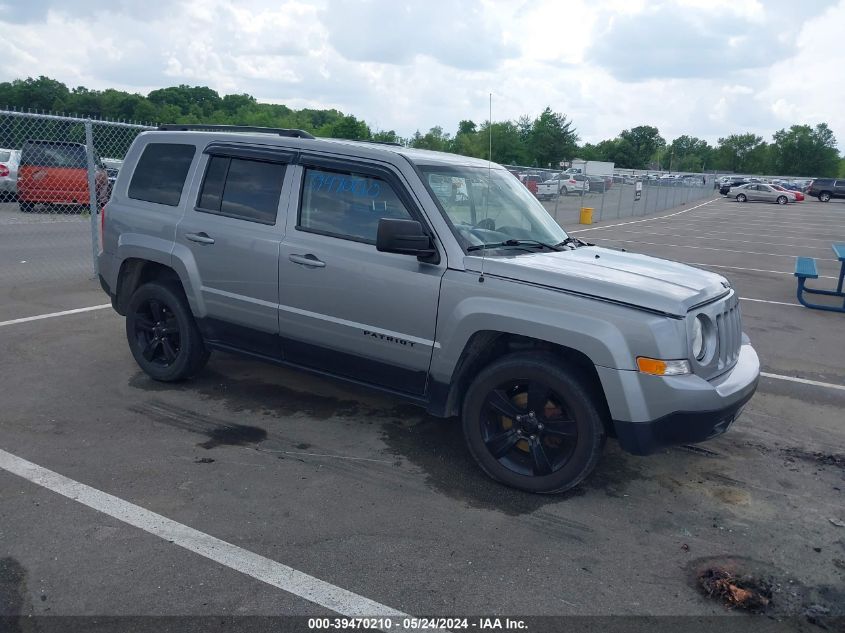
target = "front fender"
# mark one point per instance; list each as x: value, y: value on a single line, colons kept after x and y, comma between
x: 610, y: 335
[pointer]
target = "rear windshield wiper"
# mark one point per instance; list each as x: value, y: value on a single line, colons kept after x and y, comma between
x: 478, y: 247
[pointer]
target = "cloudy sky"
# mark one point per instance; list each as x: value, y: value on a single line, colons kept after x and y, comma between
x: 703, y: 67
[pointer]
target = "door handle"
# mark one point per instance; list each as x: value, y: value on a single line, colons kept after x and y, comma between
x: 199, y: 238
x: 307, y: 260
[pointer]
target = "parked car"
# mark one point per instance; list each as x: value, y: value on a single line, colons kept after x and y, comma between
x: 563, y: 184
x: 363, y: 272
x: 759, y: 192
x: 725, y: 188
x: 598, y: 184
x: 55, y: 173
x: 796, y: 193
x: 826, y: 188
x: 9, y: 161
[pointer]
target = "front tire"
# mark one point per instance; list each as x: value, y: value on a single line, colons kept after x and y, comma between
x: 741, y: 198
x: 26, y: 207
x: 162, y: 334
x: 532, y: 424
x: 824, y: 196
x: 782, y: 200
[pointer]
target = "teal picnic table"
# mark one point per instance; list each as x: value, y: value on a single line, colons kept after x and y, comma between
x: 805, y: 268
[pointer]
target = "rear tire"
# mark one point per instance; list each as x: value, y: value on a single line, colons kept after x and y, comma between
x: 26, y: 207
x: 782, y: 200
x: 741, y: 198
x: 532, y: 424
x: 824, y: 196
x: 162, y: 333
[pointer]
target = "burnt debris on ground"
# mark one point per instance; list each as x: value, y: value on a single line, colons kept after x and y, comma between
x: 734, y: 591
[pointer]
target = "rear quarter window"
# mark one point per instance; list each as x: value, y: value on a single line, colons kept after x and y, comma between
x: 5, y: 156
x: 160, y: 174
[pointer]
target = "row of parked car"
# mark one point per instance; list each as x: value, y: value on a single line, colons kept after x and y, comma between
x: 53, y: 174
x: 743, y: 189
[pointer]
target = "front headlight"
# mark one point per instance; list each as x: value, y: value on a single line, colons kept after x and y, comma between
x: 698, y: 347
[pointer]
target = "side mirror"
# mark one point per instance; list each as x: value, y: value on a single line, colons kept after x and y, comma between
x: 405, y: 237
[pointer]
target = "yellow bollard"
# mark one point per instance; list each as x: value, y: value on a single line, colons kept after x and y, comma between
x: 586, y: 215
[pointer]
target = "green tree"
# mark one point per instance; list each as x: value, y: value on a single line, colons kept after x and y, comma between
x: 434, y: 139
x: 508, y: 147
x: 743, y: 153
x: 688, y: 153
x: 552, y: 139
x: 466, y: 141
x: 637, y: 146
x: 805, y: 151
x: 346, y: 127
x: 198, y: 100
x: 35, y: 94
x: 386, y: 136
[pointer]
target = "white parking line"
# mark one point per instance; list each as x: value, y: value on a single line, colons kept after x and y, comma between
x: 610, y: 226
x: 38, y: 317
x: 704, y: 231
x: 755, y: 270
x: 702, y: 236
x: 752, y: 223
x: 778, y: 303
x: 264, y: 569
x: 804, y: 381
x: 709, y: 248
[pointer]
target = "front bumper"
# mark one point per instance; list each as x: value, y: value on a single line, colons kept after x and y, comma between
x: 664, y: 411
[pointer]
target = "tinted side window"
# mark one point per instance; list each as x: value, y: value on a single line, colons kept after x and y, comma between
x: 243, y: 189
x: 347, y: 205
x: 160, y: 173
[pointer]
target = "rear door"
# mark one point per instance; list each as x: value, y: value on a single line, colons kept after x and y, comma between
x: 345, y: 307
x: 232, y: 230
x: 767, y: 194
x: 839, y: 188
x: 750, y: 192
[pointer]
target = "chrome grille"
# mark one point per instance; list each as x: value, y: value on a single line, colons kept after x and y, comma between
x: 729, y: 327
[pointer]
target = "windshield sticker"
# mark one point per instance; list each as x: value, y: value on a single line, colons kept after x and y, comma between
x: 339, y: 183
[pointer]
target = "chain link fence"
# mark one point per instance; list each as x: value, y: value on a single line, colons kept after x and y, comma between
x: 626, y: 193
x: 58, y: 172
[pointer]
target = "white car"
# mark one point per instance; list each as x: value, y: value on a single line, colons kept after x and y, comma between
x: 9, y: 161
x: 563, y: 184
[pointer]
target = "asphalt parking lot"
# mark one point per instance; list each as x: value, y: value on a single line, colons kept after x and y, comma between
x: 374, y: 497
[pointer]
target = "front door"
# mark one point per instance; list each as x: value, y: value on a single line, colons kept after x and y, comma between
x: 346, y: 308
x: 233, y: 234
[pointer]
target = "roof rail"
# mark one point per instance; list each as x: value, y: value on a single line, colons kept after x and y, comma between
x: 363, y: 140
x: 179, y: 127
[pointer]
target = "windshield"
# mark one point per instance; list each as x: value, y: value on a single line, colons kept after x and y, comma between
x: 490, y: 206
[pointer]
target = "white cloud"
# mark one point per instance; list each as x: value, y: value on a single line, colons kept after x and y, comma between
x: 702, y: 67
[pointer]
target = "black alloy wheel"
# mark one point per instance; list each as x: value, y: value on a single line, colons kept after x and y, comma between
x: 157, y: 332
x: 534, y: 423
x: 527, y: 428
x: 162, y: 333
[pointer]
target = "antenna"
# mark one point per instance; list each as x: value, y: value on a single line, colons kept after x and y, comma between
x: 489, y: 173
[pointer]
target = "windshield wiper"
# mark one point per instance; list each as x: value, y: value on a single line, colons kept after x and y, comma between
x: 574, y: 242
x: 478, y: 247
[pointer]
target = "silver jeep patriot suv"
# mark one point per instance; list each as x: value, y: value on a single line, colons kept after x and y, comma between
x: 434, y: 277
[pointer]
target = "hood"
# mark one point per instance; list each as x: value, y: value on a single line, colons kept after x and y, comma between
x: 639, y: 280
